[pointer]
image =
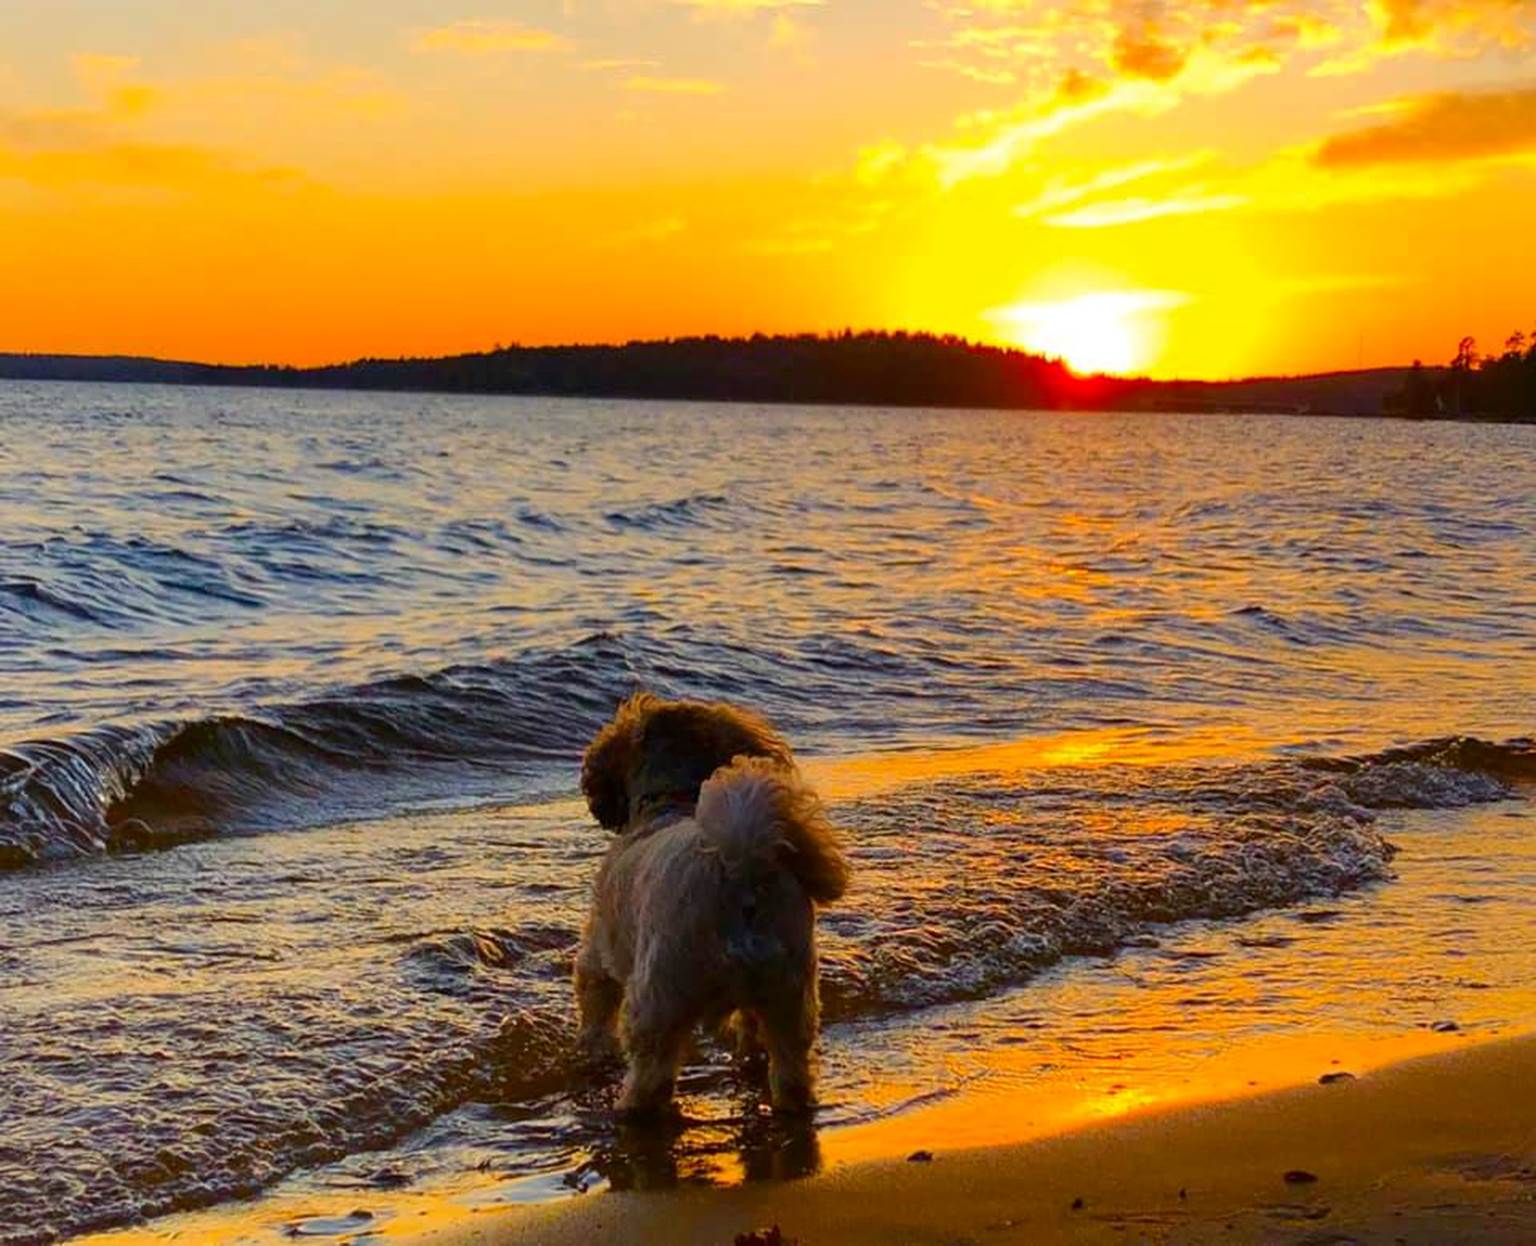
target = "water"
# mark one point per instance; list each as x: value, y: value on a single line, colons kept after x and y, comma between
x: 292, y: 687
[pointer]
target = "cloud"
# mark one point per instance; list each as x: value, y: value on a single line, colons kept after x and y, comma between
x: 1077, y: 60
x: 649, y: 84
x: 1145, y: 55
x: 1440, y: 128
x: 1134, y: 210
x: 1439, y: 23
x: 1012, y: 134
x: 128, y: 136
x: 648, y: 233
x: 1061, y: 193
x: 102, y: 75
x: 162, y: 166
x: 878, y: 161
x: 785, y: 34
x: 486, y: 38
x: 976, y: 73
x: 97, y: 70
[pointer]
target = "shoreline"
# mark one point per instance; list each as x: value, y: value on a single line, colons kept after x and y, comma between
x: 1179, y: 409
x: 1436, y: 1148
x: 1008, y: 1167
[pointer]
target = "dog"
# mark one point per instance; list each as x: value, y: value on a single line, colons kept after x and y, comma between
x: 704, y: 907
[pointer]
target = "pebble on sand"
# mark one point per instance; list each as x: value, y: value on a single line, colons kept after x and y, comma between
x: 1300, y: 1176
x: 1328, y: 1079
x: 920, y: 1157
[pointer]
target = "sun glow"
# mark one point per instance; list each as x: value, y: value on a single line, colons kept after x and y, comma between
x: 1104, y: 332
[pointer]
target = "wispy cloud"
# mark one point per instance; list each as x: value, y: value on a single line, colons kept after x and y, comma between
x: 989, y: 74
x: 1444, y: 127
x: 785, y: 34
x: 648, y: 233
x: 136, y: 164
x: 1009, y: 136
x: 1062, y: 193
x: 477, y: 37
x: 649, y: 84
x: 1137, y: 209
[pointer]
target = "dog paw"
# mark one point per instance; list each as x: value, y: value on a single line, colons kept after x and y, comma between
x: 598, y: 1051
x: 647, y: 1113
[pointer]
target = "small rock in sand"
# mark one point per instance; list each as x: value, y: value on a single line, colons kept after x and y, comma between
x: 1328, y: 1079
x: 1077, y: 1204
x: 920, y: 1157
x: 1300, y: 1176
x: 1445, y: 1027
x: 765, y: 1237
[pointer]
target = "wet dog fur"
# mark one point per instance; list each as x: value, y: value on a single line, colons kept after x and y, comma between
x: 704, y: 906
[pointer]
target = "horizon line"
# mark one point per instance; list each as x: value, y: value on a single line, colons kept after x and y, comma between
x: 956, y: 339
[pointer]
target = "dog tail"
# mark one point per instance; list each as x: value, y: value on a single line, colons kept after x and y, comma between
x: 757, y: 810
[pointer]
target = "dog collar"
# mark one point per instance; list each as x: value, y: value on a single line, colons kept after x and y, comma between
x: 655, y: 804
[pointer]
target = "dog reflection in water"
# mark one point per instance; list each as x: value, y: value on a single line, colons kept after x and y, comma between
x: 658, y: 1155
x: 704, y: 909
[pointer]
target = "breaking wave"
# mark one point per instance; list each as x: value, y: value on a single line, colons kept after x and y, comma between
x: 360, y: 749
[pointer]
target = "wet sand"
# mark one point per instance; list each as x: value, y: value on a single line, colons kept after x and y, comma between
x: 1437, y: 1149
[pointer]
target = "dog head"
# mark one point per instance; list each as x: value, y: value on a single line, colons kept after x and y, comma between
x: 654, y: 749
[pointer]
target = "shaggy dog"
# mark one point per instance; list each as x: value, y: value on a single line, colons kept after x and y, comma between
x: 704, y: 907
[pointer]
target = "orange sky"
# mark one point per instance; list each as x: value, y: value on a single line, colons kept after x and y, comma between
x: 1212, y: 187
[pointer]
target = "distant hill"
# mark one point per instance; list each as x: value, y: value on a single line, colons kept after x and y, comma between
x: 1370, y: 391
x: 878, y: 369
x: 119, y: 368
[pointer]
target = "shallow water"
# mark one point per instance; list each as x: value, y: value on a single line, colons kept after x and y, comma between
x: 288, y: 682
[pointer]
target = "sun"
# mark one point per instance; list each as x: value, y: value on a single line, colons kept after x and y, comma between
x: 1103, y: 332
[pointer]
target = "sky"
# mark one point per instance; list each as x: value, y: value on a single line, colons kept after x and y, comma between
x: 1177, y: 187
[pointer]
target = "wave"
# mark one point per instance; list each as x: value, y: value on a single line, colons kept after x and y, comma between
x: 696, y: 508
x: 119, y: 788
x: 1445, y: 755
x: 1056, y: 864
x: 369, y: 748
x: 35, y: 601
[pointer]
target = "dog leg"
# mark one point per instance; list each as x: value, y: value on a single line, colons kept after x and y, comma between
x: 597, y: 999
x: 789, y: 1023
x: 653, y: 1041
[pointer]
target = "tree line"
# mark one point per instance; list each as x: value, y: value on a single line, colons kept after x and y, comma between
x: 877, y: 368
x: 859, y: 368
x: 1474, y: 383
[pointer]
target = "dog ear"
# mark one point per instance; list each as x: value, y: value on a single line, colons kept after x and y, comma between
x: 738, y: 732
x: 605, y: 765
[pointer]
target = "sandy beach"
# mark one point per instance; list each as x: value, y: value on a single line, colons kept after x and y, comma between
x: 1436, y: 1149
